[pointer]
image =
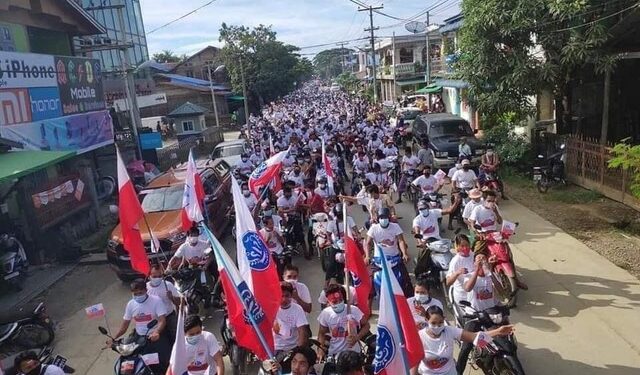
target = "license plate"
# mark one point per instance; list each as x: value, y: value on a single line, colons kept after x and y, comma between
x: 11, y: 275
x: 59, y: 361
x: 537, y: 177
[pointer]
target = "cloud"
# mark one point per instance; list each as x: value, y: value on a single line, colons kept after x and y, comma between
x: 297, y: 22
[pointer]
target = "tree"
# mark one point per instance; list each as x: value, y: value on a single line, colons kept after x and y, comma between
x: 168, y: 56
x: 512, y: 49
x: 271, y: 68
x: 328, y: 63
x: 348, y: 81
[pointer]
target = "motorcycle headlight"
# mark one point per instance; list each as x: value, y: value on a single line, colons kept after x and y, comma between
x: 480, y: 151
x: 111, y: 244
x: 126, y: 349
x: 442, y: 154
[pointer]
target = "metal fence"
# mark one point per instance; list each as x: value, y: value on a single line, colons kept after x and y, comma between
x: 587, y: 166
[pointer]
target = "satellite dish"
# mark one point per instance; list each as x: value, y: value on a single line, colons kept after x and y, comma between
x: 415, y: 27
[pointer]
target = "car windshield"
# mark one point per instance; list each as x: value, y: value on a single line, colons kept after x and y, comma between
x: 450, y: 128
x: 222, y: 152
x: 163, y: 199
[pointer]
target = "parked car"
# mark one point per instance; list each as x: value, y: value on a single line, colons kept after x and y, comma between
x: 410, y: 114
x: 161, y: 201
x: 444, y: 131
x: 230, y: 151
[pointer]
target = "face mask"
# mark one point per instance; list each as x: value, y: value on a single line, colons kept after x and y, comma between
x: 268, y: 212
x: 141, y: 298
x: 466, y: 167
x: 193, y: 241
x: 489, y: 205
x: 296, y: 172
x: 422, y: 298
x: 338, y: 308
x: 155, y: 281
x: 424, y: 213
x: 292, y: 282
x: 246, y: 193
x: 384, y: 222
x: 464, y: 251
x: 436, y: 330
x: 244, y: 160
x: 489, y: 153
x: 193, y: 340
x: 322, y: 186
x: 427, y: 174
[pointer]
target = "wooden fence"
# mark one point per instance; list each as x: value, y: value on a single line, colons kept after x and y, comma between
x: 587, y: 166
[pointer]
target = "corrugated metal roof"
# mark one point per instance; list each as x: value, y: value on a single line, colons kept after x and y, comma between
x: 451, y: 26
x: 455, y: 83
x: 195, y: 82
x: 187, y: 109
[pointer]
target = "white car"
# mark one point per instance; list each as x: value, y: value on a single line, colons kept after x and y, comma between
x: 230, y: 151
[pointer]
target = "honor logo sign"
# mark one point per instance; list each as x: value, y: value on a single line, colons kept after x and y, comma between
x: 18, y: 106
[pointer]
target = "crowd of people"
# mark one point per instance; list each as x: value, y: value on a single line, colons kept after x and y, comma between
x: 361, y: 149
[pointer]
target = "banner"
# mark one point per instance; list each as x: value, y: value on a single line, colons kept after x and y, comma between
x: 81, y: 133
x: 24, y: 70
x: 80, y: 84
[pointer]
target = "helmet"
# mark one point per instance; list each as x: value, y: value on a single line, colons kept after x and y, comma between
x: 384, y: 213
x: 423, y: 204
x: 337, y: 210
x: 321, y: 179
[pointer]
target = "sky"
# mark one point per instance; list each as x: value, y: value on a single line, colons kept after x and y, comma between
x: 303, y: 23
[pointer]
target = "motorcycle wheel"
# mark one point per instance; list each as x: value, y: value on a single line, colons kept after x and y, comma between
x: 34, y: 335
x: 542, y: 185
x: 508, y: 296
x: 238, y: 360
x: 507, y: 365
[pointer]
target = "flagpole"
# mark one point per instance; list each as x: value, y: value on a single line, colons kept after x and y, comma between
x: 387, y: 279
x: 263, y: 341
x: 346, y: 269
x: 144, y: 217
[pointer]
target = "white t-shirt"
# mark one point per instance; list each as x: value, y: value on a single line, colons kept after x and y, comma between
x: 458, y: 262
x: 390, y: 151
x: 419, y: 319
x: 285, y: 327
x: 485, y: 217
x: 426, y: 184
x: 298, y: 180
x: 337, y: 229
x: 377, y: 178
x: 287, y: 203
x: 160, y: 291
x: 271, y: 240
x: 244, y: 166
x: 452, y: 171
x: 410, y: 162
x: 251, y: 201
x: 188, y: 252
x: 464, y: 179
x: 482, y: 296
x: 438, y: 353
x: 387, y: 238
x: 142, y: 313
x: 53, y: 370
x: 200, y: 356
x: 468, y: 208
x: 323, y: 193
x: 384, y: 165
x: 428, y: 225
x: 337, y: 324
x: 303, y: 291
x: 353, y: 297
x: 361, y: 165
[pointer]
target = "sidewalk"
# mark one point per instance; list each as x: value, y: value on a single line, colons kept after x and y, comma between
x: 581, y: 314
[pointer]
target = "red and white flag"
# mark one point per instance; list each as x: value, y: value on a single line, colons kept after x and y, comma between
x: 178, y: 364
x: 193, y: 197
x: 266, y: 172
x: 398, y: 345
x: 131, y: 214
x: 95, y: 311
x: 327, y: 169
x: 251, y: 322
x: 358, y: 270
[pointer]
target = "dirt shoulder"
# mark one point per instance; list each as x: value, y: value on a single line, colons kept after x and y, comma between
x: 608, y: 227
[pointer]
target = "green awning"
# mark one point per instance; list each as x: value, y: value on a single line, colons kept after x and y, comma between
x: 16, y: 164
x: 431, y: 89
x: 236, y: 97
x: 409, y: 82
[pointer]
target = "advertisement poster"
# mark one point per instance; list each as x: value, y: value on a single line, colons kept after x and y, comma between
x: 80, y: 84
x: 24, y: 70
x: 81, y: 133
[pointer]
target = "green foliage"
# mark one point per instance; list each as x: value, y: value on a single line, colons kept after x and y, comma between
x: 271, y: 68
x: 328, y: 63
x: 512, y: 49
x: 348, y: 81
x: 627, y: 157
x: 512, y: 147
x: 168, y: 56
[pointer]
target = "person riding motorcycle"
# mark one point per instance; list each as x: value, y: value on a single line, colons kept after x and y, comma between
x: 244, y: 166
x: 202, y: 349
x: 490, y: 162
x: 408, y: 165
x: 378, y: 177
x: 421, y: 301
x: 426, y: 183
x: 289, y: 208
x: 426, y: 222
x: 273, y: 239
x: 323, y: 190
x: 28, y: 363
x: 193, y: 252
x: 289, y: 327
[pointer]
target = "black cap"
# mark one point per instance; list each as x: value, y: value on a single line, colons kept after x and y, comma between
x: 384, y: 213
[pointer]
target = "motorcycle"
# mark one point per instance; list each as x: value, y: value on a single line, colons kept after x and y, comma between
x: 500, y: 356
x: 357, y: 182
x: 333, y: 261
x: 282, y: 259
x: 292, y: 233
x: 319, y: 233
x: 411, y: 190
x: 28, y: 327
x: 457, y: 213
x: 131, y: 361
x: 399, y: 270
x: 14, y: 261
x: 491, y: 181
x: 435, y: 266
x: 502, y: 268
x: 45, y: 357
x: 192, y: 284
x: 551, y: 172
x: 367, y: 352
x: 239, y: 357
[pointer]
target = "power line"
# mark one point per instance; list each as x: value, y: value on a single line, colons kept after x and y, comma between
x: 181, y: 17
x: 598, y: 20
x: 333, y: 43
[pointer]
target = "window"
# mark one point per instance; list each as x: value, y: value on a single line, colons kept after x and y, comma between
x: 406, y: 55
x: 187, y: 126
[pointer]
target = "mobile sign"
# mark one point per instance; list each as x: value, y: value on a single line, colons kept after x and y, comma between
x: 80, y: 84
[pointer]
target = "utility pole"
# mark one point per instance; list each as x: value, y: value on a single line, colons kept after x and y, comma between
x: 246, y: 103
x: 427, y: 72
x: 370, y: 9
x: 341, y: 54
x: 213, y: 96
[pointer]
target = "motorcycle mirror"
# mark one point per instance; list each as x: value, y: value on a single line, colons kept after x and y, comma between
x: 562, y: 146
x: 113, y: 209
x: 417, y: 236
x: 152, y: 323
x: 465, y: 303
x: 103, y: 330
x: 540, y: 156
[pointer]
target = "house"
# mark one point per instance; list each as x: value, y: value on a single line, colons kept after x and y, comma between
x: 197, y: 65
x: 403, y: 65
x: 189, y: 120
